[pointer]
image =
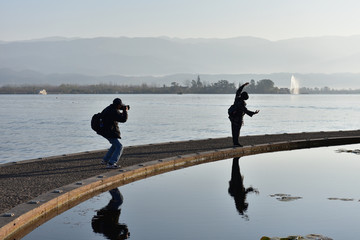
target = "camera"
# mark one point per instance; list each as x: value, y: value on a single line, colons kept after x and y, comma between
x: 123, y: 107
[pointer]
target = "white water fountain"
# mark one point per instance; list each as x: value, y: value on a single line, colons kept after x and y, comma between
x: 294, y: 87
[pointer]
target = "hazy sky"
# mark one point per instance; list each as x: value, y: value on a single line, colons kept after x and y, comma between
x: 270, y: 19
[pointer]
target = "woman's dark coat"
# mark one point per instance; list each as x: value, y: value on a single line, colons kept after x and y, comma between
x: 240, y: 108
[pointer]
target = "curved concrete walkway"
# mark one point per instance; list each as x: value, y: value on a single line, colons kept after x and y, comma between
x: 80, y: 176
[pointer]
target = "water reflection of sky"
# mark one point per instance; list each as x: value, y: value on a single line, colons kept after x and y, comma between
x: 194, y: 203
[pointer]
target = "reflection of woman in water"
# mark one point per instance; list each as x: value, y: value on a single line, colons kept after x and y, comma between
x: 106, y: 220
x: 237, y: 189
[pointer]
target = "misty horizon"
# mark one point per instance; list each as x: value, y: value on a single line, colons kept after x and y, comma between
x: 193, y: 39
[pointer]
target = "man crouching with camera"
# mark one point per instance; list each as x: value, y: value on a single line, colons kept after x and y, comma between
x: 111, y: 115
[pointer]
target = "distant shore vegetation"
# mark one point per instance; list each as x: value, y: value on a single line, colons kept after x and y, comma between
x: 265, y: 86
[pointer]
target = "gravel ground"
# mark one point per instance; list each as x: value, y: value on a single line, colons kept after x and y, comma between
x: 23, y: 181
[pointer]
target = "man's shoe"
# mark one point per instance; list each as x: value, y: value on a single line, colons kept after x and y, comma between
x: 238, y: 145
x: 103, y: 162
x: 111, y: 166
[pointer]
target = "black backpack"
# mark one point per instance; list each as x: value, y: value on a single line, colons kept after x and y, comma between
x: 231, y: 110
x: 97, y: 123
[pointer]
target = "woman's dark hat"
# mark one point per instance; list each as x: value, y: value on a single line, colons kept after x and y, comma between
x: 244, y: 95
x: 117, y: 101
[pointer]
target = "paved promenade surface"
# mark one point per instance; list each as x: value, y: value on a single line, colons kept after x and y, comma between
x: 23, y: 181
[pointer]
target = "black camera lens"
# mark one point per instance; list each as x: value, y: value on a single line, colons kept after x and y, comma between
x: 125, y: 106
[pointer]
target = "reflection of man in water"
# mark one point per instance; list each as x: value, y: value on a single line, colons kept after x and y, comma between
x: 237, y: 189
x: 106, y: 220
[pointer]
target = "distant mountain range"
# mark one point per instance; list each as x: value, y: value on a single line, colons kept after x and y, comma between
x: 316, y: 62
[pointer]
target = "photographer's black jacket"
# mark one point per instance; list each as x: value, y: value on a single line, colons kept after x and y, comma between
x: 111, y: 116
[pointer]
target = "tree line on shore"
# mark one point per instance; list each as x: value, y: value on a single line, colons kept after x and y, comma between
x: 265, y: 86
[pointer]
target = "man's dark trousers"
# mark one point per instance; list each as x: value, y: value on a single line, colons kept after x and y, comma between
x: 235, y: 130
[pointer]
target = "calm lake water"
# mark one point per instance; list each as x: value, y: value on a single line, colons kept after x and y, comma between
x: 34, y: 126
x: 300, y: 192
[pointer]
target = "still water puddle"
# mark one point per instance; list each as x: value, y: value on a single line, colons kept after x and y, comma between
x: 300, y: 192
